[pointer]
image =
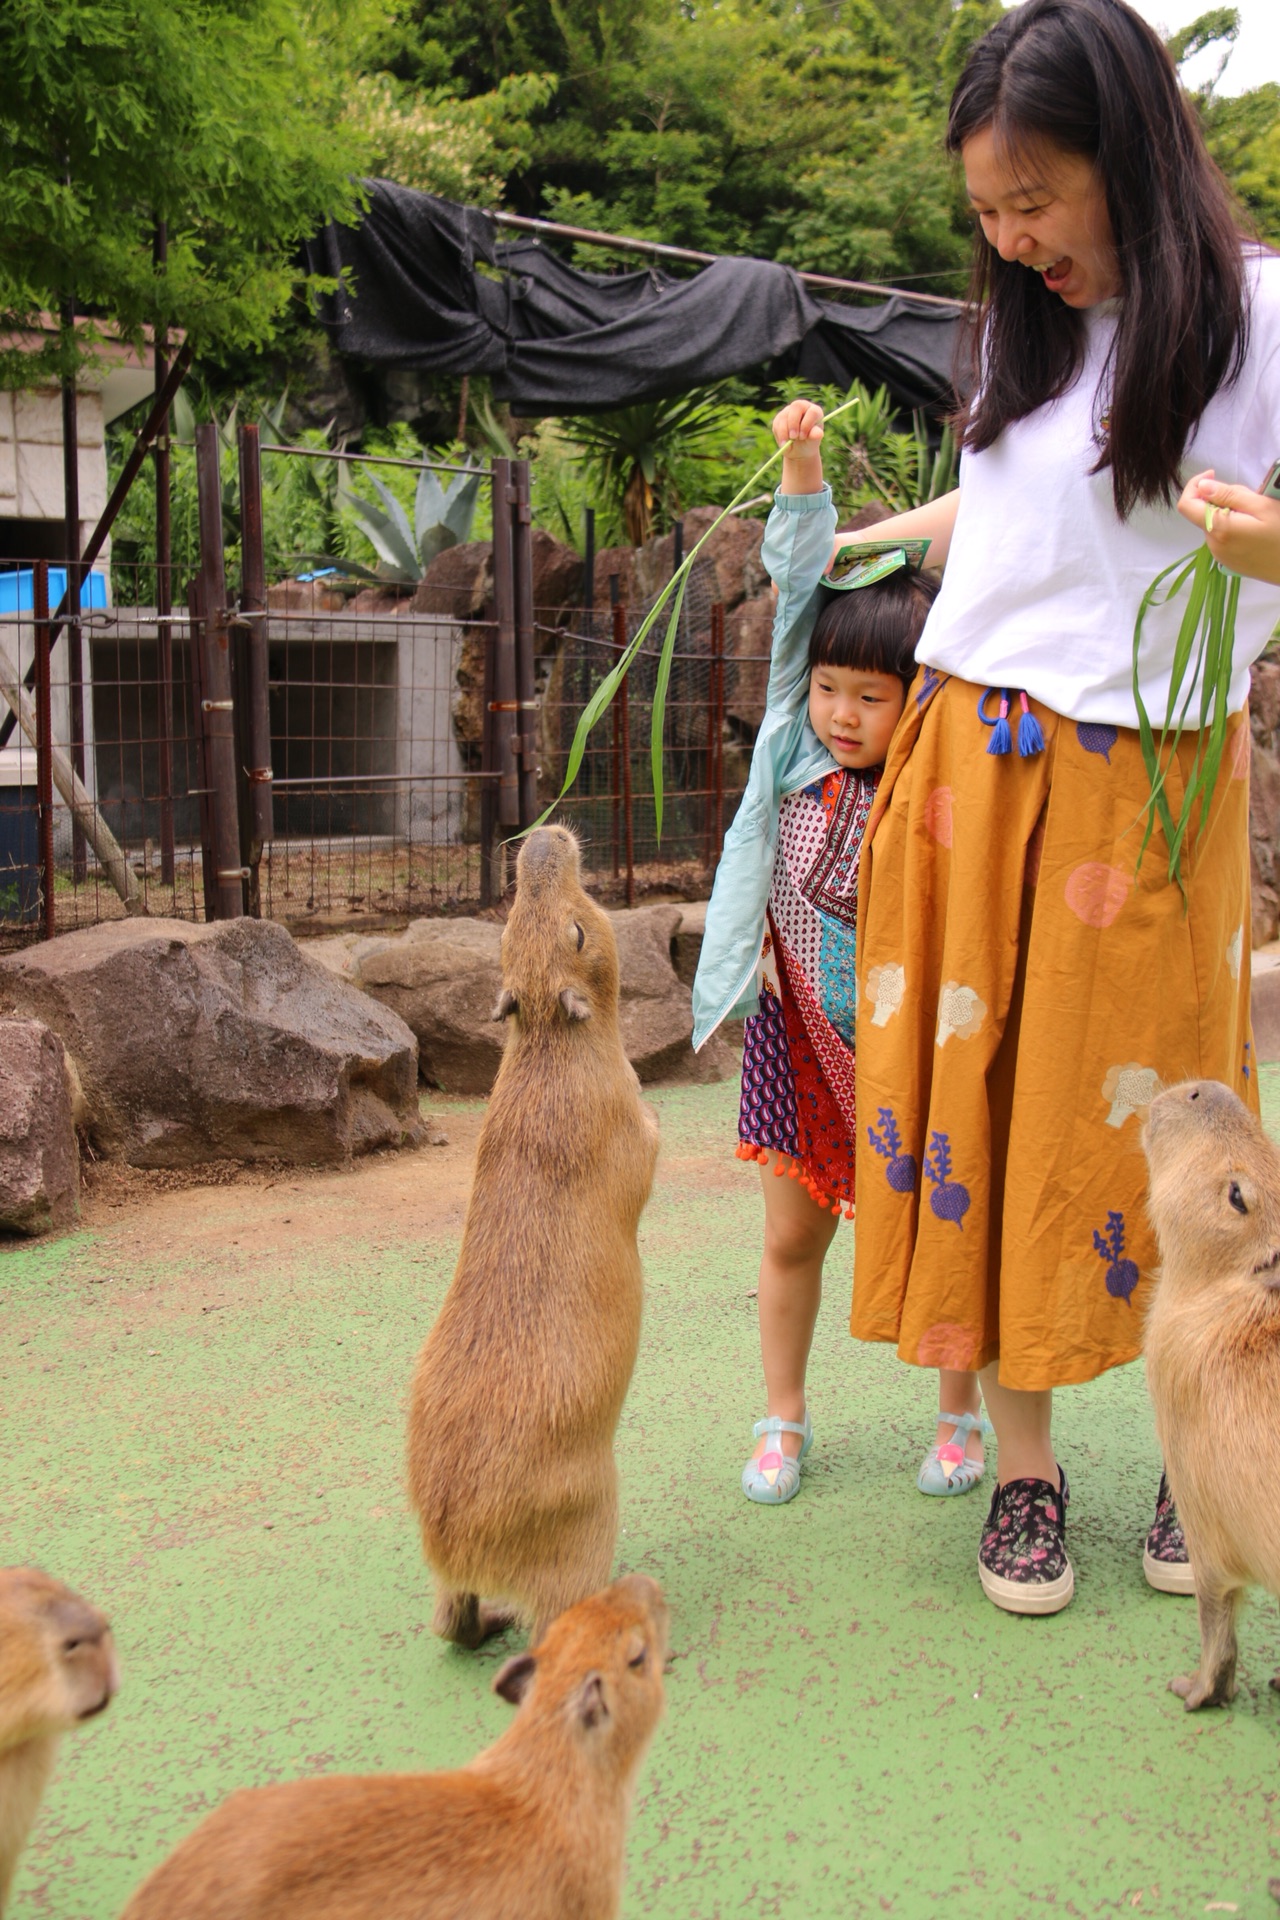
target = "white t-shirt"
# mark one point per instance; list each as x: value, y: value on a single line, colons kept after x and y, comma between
x: 1043, y: 581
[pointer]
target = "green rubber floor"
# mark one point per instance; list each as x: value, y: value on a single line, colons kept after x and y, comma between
x: 851, y: 1729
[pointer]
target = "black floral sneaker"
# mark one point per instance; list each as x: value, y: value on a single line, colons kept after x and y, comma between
x: 1164, y: 1558
x: 1022, y: 1561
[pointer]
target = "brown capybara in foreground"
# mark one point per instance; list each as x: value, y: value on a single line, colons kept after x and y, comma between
x: 1213, y: 1354
x: 519, y: 1385
x: 57, y: 1669
x: 533, y: 1829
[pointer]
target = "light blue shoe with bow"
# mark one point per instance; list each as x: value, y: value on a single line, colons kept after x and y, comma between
x: 948, y: 1469
x: 775, y: 1476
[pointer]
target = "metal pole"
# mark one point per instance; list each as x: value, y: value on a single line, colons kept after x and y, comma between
x: 503, y: 705
x: 195, y: 650
x: 527, y: 739
x: 44, y: 744
x: 626, y: 789
x: 217, y: 706
x: 71, y: 548
x: 164, y: 580
x: 255, y: 691
x: 619, y: 708
x: 716, y: 704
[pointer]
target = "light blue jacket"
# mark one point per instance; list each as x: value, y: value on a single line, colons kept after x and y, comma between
x: 788, y: 755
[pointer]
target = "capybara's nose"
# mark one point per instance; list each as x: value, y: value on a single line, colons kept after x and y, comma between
x: 543, y: 852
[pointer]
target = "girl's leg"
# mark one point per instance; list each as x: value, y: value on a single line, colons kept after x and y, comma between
x: 1022, y: 1422
x: 797, y: 1233
x: 959, y: 1393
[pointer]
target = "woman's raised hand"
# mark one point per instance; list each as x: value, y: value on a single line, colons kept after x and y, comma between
x: 1241, y: 528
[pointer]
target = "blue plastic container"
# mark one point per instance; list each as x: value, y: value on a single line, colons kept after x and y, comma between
x: 17, y: 590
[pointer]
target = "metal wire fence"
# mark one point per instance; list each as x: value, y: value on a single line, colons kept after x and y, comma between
x: 377, y: 722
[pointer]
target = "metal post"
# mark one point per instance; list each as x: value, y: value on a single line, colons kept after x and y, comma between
x: 504, y: 705
x: 619, y: 709
x: 217, y: 705
x: 164, y: 583
x: 528, y: 737
x: 44, y: 744
x: 715, y: 706
x: 253, y: 693
x: 626, y: 789
x: 71, y: 548
x: 204, y: 800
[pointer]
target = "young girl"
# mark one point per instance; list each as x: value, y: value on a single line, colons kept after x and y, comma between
x: 779, y: 942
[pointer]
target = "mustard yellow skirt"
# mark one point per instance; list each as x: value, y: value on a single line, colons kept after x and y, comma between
x: 1022, y: 995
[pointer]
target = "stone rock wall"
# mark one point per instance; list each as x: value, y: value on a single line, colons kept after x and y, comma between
x: 1264, y: 799
x: 195, y: 1043
x: 443, y: 978
x: 39, y: 1153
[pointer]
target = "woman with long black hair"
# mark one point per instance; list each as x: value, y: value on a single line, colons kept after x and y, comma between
x: 1026, y: 981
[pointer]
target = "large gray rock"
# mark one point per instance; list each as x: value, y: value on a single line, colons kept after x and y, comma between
x: 215, y: 1042
x: 443, y: 977
x: 39, y: 1153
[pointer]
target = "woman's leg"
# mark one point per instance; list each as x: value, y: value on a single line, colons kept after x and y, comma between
x: 797, y: 1233
x: 1022, y: 1422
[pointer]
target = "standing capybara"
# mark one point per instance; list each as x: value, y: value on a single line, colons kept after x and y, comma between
x: 519, y: 1385
x: 1213, y: 1354
x: 533, y: 1829
x: 57, y: 1669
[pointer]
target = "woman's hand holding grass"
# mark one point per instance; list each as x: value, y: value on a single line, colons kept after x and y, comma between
x: 1241, y: 528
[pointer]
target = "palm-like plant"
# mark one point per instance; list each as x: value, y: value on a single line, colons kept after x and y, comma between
x: 632, y: 449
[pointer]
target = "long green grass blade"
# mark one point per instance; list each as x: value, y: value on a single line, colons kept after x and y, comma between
x: 660, y: 705
x: 601, y: 699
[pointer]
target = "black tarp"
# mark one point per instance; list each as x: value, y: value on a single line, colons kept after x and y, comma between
x: 556, y: 340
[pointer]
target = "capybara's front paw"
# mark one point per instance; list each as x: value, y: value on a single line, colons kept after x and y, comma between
x: 1195, y: 1692
x: 1275, y: 1681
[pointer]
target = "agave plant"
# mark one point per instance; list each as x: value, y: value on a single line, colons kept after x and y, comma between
x: 441, y: 518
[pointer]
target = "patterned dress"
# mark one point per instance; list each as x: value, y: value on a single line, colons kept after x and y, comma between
x: 798, y: 1063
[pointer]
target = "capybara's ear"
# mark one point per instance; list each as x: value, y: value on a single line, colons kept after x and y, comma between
x: 574, y: 1005
x: 514, y: 1678
x: 506, y: 1004
x: 590, y: 1706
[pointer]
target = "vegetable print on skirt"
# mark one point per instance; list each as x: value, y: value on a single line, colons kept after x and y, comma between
x: 1022, y: 996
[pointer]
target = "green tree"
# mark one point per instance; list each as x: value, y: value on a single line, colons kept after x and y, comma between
x: 1242, y: 130
x: 222, y: 118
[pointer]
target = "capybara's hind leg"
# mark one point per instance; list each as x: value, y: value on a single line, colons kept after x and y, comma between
x: 1213, y: 1683
x: 582, y: 1565
x: 464, y: 1619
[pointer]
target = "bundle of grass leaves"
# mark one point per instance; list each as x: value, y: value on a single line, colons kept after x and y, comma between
x: 1201, y: 668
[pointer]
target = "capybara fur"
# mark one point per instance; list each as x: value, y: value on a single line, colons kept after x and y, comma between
x: 57, y: 1669
x: 533, y: 1829
x: 519, y: 1385
x: 1213, y: 1354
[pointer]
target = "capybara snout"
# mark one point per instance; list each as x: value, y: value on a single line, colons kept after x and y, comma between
x: 559, y: 956
x: 57, y: 1670
x: 1214, y: 1190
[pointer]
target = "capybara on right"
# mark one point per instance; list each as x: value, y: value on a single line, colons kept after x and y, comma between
x: 57, y: 1670
x: 533, y: 1829
x: 1213, y: 1354
x: 518, y: 1388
